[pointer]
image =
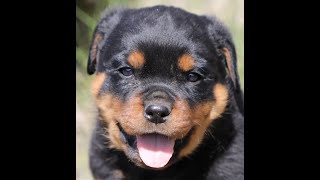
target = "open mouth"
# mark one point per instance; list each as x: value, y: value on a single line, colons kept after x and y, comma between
x: 155, y: 150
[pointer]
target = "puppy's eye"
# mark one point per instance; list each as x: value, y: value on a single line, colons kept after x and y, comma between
x: 126, y: 71
x: 193, y: 77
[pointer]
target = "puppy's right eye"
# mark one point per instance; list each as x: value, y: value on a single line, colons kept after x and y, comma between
x: 126, y: 71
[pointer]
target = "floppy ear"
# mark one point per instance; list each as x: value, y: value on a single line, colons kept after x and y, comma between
x: 230, y: 61
x: 108, y: 21
x: 93, y: 53
x: 222, y: 40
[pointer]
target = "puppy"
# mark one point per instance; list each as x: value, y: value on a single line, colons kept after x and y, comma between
x: 168, y: 97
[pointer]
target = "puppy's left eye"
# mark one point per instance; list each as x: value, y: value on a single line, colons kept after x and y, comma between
x: 126, y: 71
x: 193, y: 77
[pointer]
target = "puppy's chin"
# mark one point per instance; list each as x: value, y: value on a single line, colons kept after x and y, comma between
x: 153, y: 151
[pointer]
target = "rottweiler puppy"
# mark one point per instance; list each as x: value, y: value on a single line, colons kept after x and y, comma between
x: 168, y: 97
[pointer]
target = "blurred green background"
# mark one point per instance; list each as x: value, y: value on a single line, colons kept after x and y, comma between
x: 88, y: 13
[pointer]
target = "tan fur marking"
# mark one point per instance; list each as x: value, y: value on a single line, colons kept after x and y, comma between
x: 97, y: 83
x: 110, y: 107
x: 114, y: 136
x: 181, y: 119
x: 136, y: 59
x: 204, y: 115
x: 130, y: 116
x: 134, y: 123
x: 221, y: 94
x: 186, y: 63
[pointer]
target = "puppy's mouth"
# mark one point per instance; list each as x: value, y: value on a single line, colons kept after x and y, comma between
x: 155, y: 151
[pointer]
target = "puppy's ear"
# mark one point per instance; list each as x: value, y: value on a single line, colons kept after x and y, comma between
x: 93, y: 53
x: 109, y: 20
x: 221, y: 38
x: 230, y: 61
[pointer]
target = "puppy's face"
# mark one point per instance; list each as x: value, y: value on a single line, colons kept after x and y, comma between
x: 160, y: 82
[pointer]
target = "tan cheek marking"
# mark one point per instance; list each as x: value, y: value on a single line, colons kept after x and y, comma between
x: 107, y: 104
x: 181, y: 117
x: 134, y: 123
x: 97, y: 83
x: 201, y: 121
x: 114, y: 137
x: 221, y: 94
x: 204, y: 115
x: 132, y: 119
x: 136, y: 59
x: 186, y: 63
x: 110, y: 107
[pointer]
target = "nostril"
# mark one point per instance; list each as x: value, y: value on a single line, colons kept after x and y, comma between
x: 164, y: 112
x: 149, y: 111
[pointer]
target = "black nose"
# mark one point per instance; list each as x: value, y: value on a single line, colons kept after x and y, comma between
x: 157, y: 113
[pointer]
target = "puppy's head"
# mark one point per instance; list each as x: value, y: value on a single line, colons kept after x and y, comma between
x: 162, y: 76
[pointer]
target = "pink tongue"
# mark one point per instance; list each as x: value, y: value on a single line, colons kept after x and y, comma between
x: 155, y: 150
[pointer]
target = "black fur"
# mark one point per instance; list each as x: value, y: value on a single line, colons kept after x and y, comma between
x: 164, y: 34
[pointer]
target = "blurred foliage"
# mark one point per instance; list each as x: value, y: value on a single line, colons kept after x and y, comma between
x: 87, y: 15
